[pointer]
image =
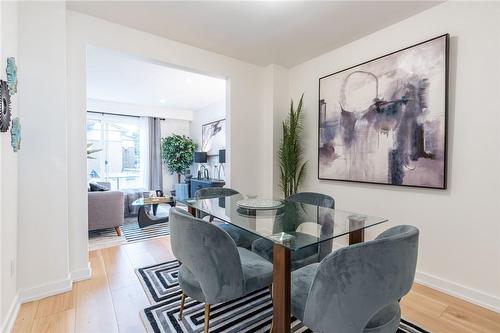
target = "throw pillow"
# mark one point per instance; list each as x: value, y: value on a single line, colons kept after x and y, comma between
x: 97, y: 187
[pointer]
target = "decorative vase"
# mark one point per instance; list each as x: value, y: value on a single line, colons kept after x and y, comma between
x: 181, y: 191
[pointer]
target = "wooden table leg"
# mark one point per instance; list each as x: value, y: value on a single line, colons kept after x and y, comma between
x: 281, y: 289
x: 357, y: 236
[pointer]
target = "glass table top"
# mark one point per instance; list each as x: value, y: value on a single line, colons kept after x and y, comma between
x: 291, y: 224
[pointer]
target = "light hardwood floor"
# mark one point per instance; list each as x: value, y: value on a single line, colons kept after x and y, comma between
x: 111, y: 300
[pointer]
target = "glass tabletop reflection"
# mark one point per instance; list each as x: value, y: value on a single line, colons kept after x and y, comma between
x: 291, y: 224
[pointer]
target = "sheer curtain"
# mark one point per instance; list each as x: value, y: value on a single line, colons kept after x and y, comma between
x: 154, y: 165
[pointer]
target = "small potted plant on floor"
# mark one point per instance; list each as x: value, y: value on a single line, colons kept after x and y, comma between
x: 177, y: 152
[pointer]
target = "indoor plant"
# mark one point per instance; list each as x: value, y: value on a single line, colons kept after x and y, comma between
x: 290, y: 152
x: 177, y: 153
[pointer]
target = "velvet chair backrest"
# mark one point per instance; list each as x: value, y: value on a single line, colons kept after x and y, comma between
x: 214, y: 192
x: 352, y: 284
x: 321, y: 200
x: 209, y: 253
x: 312, y: 198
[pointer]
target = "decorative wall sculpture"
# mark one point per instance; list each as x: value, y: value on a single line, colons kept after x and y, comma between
x: 385, y: 121
x: 213, y: 137
x: 11, y: 71
x: 5, y: 107
x: 15, y: 134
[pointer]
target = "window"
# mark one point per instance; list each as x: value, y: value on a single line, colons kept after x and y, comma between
x: 121, y: 161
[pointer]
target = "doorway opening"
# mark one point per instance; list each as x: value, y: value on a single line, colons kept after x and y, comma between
x: 133, y: 106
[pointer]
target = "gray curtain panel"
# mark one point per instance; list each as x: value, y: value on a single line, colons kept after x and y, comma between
x: 155, y: 171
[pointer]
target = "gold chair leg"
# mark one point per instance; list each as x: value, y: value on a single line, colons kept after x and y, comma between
x: 183, y: 298
x: 207, y: 316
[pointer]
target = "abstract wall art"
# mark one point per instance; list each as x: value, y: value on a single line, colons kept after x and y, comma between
x: 213, y: 137
x: 385, y: 121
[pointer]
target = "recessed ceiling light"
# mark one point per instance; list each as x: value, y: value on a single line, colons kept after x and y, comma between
x: 162, y: 101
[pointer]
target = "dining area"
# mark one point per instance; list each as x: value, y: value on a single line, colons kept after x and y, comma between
x: 230, y: 246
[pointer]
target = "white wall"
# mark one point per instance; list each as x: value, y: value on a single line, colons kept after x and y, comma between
x: 170, y: 127
x: 8, y: 177
x: 460, y: 227
x: 281, y: 106
x: 244, y: 108
x: 274, y: 99
x: 137, y: 110
x: 43, y: 167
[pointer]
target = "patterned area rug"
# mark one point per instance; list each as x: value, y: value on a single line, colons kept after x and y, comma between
x: 99, y: 239
x: 251, y: 313
x: 134, y: 233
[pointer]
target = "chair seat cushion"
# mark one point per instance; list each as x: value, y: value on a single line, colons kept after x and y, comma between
x: 241, y: 237
x: 301, y: 283
x: 299, y: 258
x: 258, y: 272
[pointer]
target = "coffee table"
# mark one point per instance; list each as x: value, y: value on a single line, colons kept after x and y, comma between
x: 144, y: 217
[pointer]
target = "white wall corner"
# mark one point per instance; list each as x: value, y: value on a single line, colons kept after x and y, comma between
x: 81, y: 274
x: 474, y: 296
x: 45, y: 290
x: 10, y: 319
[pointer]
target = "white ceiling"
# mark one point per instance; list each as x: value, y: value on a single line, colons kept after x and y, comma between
x: 262, y: 32
x: 117, y: 77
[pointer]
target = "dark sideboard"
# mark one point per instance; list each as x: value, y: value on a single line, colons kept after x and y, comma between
x: 196, y: 184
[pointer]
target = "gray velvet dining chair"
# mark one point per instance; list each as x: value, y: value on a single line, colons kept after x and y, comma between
x: 357, y: 289
x: 310, y: 254
x: 241, y: 237
x: 213, y: 269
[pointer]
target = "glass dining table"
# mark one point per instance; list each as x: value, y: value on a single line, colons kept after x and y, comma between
x: 290, y: 226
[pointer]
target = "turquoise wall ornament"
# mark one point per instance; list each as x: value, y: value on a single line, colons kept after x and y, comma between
x: 11, y: 71
x: 15, y: 134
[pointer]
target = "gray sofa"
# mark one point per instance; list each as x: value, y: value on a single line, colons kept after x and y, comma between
x: 130, y: 195
x: 106, y: 210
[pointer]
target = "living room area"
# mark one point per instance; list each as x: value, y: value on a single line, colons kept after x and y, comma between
x: 140, y: 115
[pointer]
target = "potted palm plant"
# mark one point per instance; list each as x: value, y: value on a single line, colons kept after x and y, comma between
x: 292, y: 168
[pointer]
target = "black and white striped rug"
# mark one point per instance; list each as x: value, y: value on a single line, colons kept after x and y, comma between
x: 134, y: 233
x: 131, y: 232
x: 249, y: 314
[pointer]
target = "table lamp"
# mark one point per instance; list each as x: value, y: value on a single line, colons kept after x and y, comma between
x: 201, y: 157
x: 222, y: 160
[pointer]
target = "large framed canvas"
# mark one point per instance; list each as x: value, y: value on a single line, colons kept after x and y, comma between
x: 385, y: 121
x: 213, y: 137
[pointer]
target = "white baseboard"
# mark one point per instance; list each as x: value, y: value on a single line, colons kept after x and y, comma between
x: 477, y: 297
x: 10, y: 319
x: 81, y: 274
x: 46, y: 290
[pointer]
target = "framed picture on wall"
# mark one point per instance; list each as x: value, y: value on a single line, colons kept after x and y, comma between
x: 213, y: 137
x: 385, y: 121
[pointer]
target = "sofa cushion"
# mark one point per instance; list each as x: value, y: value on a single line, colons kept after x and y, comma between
x: 94, y: 187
